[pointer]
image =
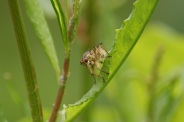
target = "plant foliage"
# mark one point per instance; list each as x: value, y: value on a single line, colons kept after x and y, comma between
x: 126, y: 38
x: 36, y: 16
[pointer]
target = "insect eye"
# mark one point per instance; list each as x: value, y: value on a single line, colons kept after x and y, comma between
x: 85, y: 60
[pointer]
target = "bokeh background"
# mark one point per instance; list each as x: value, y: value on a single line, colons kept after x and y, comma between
x: 127, y: 97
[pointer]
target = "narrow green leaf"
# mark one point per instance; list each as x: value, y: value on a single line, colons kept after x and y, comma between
x: 63, y: 24
x: 126, y: 38
x: 39, y: 23
x: 66, y: 5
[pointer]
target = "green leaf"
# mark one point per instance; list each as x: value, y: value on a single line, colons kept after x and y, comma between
x: 126, y: 38
x: 66, y: 5
x: 63, y: 24
x: 39, y: 23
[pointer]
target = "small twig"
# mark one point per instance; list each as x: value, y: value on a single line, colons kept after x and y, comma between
x: 61, y: 90
x: 57, y: 104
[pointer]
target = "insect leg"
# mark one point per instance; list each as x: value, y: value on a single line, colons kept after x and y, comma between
x: 101, y: 62
x: 109, y: 56
x: 98, y: 68
x: 95, y: 75
x: 91, y: 69
x: 94, y: 78
x: 104, y: 48
x: 103, y: 71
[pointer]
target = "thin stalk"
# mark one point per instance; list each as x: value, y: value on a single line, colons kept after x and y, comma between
x: 71, y: 32
x: 61, y: 90
x: 154, y: 74
x: 28, y: 68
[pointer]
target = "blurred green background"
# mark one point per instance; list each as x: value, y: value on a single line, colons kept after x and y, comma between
x: 128, y: 97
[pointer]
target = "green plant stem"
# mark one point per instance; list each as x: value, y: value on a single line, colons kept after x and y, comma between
x: 28, y: 68
x: 154, y: 74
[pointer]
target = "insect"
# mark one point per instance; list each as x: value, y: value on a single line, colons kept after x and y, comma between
x: 93, y: 60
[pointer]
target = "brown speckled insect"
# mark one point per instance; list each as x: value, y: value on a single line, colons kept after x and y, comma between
x: 93, y: 59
